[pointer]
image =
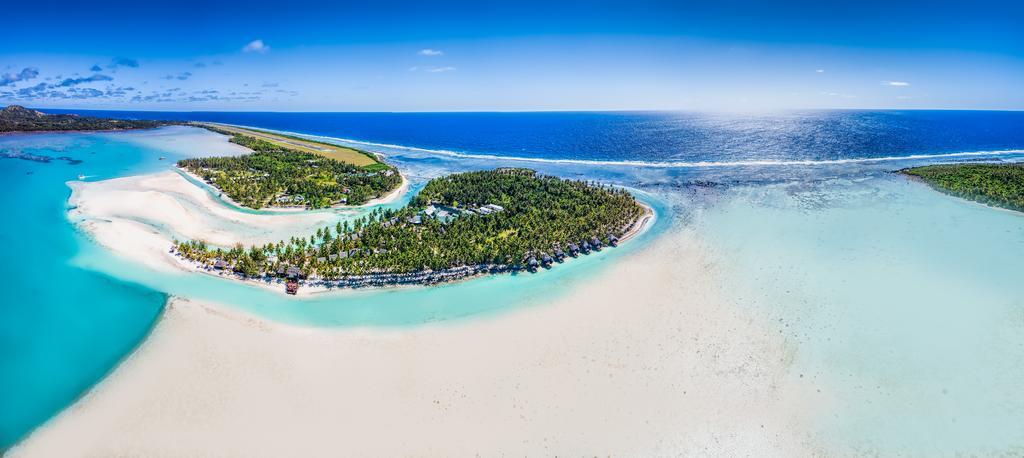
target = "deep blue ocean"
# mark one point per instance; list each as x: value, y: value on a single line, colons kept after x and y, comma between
x: 659, y: 137
x: 63, y: 326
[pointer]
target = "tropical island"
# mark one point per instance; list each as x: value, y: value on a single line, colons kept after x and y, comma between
x: 284, y: 171
x: 458, y: 226
x: 999, y: 185
x: 16, y: 118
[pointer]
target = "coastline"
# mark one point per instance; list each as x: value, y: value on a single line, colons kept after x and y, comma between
x: 677, y: 368
x: 641, y: 224
x: 29, y: 132
x: 314, y: 288
x: 169, y: 200
x: 841, y: 266
x: 390, y: 197
x: 131, y: 216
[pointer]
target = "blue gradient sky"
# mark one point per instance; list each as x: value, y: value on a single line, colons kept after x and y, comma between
x: 431, y: 56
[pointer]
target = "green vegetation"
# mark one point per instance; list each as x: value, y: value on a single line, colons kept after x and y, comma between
x: 1000, y: 185
x: 275, y: 175
x: 498, y: 219
x: 16, y: 118
x: 336, y: 152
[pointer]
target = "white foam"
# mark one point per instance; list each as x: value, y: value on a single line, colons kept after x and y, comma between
x: 654, y: 164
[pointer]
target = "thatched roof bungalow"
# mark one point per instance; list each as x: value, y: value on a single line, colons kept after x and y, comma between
x: 532, y: 263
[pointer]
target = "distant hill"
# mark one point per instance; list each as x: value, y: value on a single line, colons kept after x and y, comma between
x: 17, y: 118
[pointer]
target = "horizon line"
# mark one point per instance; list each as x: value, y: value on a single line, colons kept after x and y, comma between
x: 640, y: 110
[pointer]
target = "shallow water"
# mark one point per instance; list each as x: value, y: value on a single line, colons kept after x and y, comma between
x: 899, y: 303
x: 60, y: 341
x: 905, y: 306
x: 63, y: 327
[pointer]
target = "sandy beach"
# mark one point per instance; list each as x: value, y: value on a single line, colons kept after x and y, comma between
x: 392, y: 196
x: 170, y: 203
x: 646, y: 360
x: 139, y: 217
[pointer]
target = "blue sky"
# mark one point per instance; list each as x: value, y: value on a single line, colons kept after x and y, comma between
x: 483, y: 56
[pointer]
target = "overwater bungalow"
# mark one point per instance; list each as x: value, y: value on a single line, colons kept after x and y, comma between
x: 559, y: 255
x: 532, y: 264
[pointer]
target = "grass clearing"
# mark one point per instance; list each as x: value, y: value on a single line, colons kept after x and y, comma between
x: 338, y: 153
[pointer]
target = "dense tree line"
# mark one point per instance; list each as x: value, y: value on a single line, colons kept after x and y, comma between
x: 541, y: 214
x: 16, y: 118
x: 1000, y: 185
x: 276, y: 176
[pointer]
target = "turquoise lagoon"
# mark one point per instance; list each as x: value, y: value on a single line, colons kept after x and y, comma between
x: 905, y: 307
x: 901, y: 305
x: 77, y: 309
x: 63, y: 327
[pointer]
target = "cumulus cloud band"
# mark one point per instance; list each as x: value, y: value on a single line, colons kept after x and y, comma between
x: 25, y: 74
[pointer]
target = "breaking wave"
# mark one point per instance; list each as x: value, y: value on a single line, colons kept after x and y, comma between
x: 661, y: 164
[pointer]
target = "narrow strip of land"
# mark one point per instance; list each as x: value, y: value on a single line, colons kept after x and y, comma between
x: 338, y: 153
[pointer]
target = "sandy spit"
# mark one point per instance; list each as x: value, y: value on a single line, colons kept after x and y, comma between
x: 647, y: 360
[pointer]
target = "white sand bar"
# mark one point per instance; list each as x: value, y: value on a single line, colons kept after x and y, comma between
x: 646, y: 360
x: 168, y: 205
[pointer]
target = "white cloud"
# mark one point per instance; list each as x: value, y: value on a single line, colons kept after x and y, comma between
x: 430, y: 52
x: 820, y: 70
x: 431, y: 69
x: 256, y: 46
x: 896, y: 83
x: 837, y: 94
